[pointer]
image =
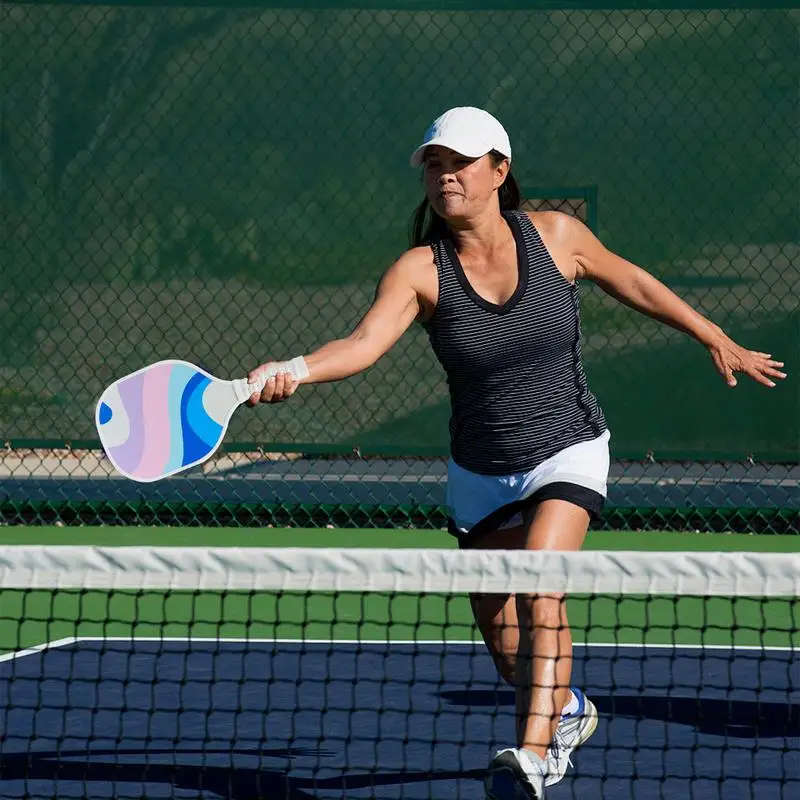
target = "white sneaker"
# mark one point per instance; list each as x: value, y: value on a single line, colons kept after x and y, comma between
x: 573, y: 730
x: 515, y: 774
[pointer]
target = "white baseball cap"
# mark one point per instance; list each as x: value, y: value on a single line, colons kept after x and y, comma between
x: 470, y: 131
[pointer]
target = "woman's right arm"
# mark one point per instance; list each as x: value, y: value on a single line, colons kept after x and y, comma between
x: 396, y: 305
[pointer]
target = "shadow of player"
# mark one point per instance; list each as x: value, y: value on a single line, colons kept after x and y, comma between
x: 741, y: 719
x: 232, y: 783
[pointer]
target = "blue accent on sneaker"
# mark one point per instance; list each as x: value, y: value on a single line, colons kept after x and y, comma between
x: 581, y: 698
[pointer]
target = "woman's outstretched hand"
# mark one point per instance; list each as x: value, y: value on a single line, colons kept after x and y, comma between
x: 730, y: 358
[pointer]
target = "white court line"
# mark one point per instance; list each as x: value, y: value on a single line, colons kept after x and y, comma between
x: 71, y: 640
x: 457, y: 642
x: 39, y: 648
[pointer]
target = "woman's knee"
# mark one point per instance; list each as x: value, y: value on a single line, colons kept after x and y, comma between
x: 503, y: 642
x: 545, y: 611
x: 506, y: 664
x: 497, y: 621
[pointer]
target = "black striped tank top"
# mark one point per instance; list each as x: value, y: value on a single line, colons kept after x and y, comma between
x: 518, y: 392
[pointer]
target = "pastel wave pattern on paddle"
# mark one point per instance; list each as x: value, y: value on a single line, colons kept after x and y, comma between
x: 168, y: 426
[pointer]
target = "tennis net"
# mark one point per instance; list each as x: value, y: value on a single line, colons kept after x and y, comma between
x: 319, y: 673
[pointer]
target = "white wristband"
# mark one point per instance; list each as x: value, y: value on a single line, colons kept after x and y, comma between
x: 297, y: 368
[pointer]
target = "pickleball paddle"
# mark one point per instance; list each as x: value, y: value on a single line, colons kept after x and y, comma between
x: 171, y: 416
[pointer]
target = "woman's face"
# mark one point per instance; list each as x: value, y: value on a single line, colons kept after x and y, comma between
x: 458, y: 186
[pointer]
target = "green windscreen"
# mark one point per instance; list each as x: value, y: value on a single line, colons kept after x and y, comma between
x: 226, y: 183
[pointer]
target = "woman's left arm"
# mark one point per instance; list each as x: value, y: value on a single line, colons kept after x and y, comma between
x: 641, y: 291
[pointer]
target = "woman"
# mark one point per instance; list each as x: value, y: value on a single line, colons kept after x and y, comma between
x: 495, y: 288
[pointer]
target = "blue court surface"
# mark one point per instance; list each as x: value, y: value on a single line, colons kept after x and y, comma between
x: 290, y: 720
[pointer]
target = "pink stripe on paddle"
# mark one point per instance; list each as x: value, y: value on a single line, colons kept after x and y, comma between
x: 155, y: 411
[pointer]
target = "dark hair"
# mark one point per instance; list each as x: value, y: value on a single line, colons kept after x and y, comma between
x: 426, y: 225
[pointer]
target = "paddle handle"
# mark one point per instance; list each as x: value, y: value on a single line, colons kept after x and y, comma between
x: 296, y: 368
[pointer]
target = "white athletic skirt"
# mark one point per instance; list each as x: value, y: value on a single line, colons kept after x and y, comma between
x: 481, y: 503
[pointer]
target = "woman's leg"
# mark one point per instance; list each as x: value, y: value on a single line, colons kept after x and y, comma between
x: 544, y: 663
x: 496, y: 614
x: 544, y: 655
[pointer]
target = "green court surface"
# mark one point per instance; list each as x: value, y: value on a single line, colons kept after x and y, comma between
x: 371, y: 537
x: 31, y: 618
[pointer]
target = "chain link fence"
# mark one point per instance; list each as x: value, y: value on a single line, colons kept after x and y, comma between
x: 226, y: 183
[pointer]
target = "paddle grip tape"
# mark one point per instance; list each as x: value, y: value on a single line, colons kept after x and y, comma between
x: 296, y: 368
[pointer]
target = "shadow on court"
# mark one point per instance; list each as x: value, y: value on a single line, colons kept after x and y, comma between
x: 234, y: 783
x: 735, y: 718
